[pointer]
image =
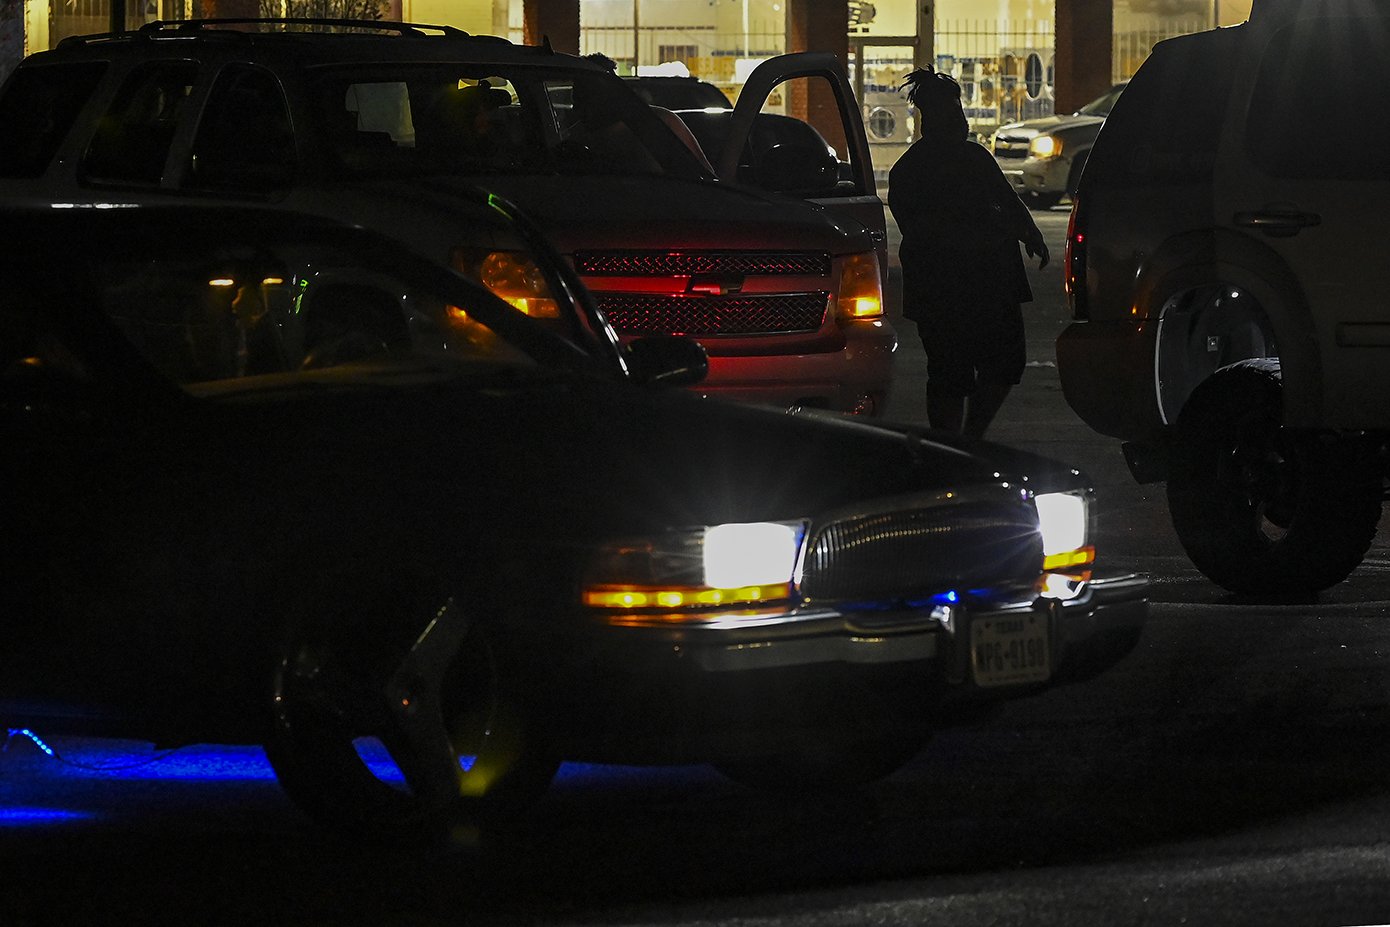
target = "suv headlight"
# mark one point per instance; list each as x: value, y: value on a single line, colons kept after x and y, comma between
x: 511, y: 276
x: 1064, y: 521
x: 698, y: 568
x: 861, y: 288
x: 1045, y: 146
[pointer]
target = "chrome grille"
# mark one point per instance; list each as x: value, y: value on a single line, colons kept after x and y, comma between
x: 688, y: 263
x: 899, y: 555
x: 648, y: 313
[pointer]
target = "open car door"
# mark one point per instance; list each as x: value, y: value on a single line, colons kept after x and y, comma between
x: 796, y: 130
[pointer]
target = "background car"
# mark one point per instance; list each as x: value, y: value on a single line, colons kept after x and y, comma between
x: 1043, y: 158
x: 380, y: 123
x: 458, y: 543
x: 1228, y: 284
x: 675, y: 93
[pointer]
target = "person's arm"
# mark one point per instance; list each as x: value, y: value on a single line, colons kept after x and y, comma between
x: 1014, y: 214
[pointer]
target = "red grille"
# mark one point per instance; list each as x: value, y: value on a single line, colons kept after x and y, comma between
x: 645, y: 314
x: 688, y: 263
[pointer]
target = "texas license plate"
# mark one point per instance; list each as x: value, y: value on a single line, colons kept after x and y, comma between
x: 1010, y: 651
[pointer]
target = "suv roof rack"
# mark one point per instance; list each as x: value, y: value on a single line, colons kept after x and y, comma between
x: 218, y: 28
x: 164, y: 26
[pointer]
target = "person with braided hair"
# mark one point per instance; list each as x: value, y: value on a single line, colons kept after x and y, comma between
x: 963, y: 278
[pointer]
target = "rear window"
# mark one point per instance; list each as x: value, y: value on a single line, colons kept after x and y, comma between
x: 37, y: 109
x: 1314, y: 112
x: 1166, y: 124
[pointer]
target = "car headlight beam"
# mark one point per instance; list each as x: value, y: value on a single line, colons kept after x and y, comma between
x: 698, y: 568
x: 1064, y: 522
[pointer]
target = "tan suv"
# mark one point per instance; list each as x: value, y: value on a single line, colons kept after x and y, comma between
x: 1227, y: 270
x: 382, y: 124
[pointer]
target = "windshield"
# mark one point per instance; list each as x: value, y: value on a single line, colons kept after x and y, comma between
x: 453, y: 119
x: 1102, y: 106
x: 257, y: 301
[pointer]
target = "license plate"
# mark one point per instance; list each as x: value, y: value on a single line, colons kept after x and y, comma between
x: 1010, y: 651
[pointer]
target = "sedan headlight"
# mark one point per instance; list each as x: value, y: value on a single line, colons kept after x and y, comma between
x: 698, y: 568
x: 1045, y: 146
x: 1064, y: 520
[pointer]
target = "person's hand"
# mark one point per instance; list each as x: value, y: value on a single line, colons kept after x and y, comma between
x: 1037, y: 248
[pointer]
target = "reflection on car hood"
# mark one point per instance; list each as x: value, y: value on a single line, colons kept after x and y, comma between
x: 598, y: 212
x: 1047, y: 124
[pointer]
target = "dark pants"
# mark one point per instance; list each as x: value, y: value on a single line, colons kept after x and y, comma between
x: 984, y: 345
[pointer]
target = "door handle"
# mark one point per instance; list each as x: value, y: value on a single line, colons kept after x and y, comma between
x: 1277, y: 222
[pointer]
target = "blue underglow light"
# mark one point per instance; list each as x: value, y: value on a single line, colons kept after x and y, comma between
x: 38, y: 817
x: 25, y: 732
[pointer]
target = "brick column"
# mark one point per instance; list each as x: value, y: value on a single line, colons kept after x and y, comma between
x: 820, y: 26
x: 231, y: 9
x: 556, y: 19
x: 1085, y: 43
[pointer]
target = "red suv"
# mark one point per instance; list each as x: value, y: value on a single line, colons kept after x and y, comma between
x: 778, y: 275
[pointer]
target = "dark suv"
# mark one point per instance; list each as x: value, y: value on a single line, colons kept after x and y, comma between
x: 1226, y: 264
x: 380, y: 123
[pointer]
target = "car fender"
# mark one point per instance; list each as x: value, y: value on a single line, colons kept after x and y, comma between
x: 1211, y: 258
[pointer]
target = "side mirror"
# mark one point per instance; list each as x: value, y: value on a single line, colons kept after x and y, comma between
x: 797, y: 167
x: 670, y: 360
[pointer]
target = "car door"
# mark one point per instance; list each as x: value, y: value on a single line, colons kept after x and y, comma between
x: 1299, y: 173
x: 783, y: 97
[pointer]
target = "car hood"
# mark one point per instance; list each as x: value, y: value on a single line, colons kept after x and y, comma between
x: 622, y: 212
x: 1048, y: 124
x: 590, y: 457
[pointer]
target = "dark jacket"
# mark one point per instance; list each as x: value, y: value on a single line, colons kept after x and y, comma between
x: 961, y: 224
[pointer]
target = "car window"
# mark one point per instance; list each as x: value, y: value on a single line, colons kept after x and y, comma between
x: 1102, y: 105
x: 37, y: 109
x: 133, y: 138
x: 1306, y: 117
x: 1167, y: 126
x: 244, y: 140
x: 390, y: 121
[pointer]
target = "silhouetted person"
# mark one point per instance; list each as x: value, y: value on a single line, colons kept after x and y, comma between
x: 963, y: 277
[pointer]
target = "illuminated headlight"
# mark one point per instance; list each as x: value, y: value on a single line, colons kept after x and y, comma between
x: 861, y: 288
x: 699, y: 568
x: 1064, y: 522
x: 1045, y: 146
x: 511, y: 276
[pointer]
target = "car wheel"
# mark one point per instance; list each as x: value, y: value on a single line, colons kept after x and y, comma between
x: 346, y: 751
x: 1043, y: 200
x: 1262, y: 509
x: 811, y: 769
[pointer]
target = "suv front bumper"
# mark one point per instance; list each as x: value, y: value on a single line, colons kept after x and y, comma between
x: 838, y: 380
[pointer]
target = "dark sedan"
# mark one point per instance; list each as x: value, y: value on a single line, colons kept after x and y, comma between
x: 268, y: 479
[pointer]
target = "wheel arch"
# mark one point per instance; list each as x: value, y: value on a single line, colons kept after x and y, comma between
x: 1227, y: 287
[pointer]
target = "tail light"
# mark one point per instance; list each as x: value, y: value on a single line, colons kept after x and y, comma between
x: 1074, y: 262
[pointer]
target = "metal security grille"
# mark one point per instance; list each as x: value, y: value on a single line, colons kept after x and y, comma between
x: 689, y: 263
x: 646, y: 313
x: 960, y: 547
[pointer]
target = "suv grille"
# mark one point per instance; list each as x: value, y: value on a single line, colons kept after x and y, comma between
x: 687, y: 263
x: 961, y: 547
x: 648, y: 313
x: 1010, y: 147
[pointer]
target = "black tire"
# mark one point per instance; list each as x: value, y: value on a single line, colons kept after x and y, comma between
x: 1043, y: 201
x: 823, y: 768
x: 328, y: 698
x: 1261, y: 509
